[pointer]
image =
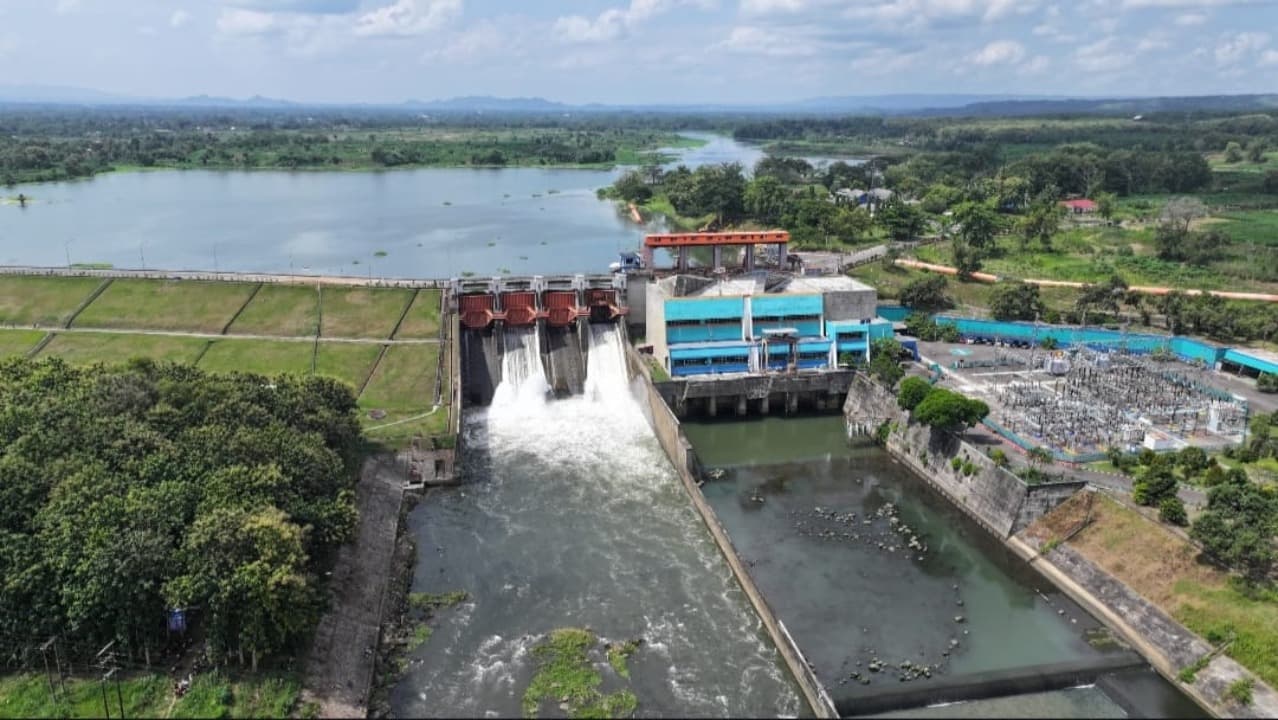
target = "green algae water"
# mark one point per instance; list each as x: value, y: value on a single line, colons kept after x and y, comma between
x: 887, y: 587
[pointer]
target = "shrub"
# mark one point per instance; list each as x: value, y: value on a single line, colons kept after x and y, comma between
x: 968, y: 469
x: 1172, y: 510
x: 1240, y: 690
x: 999, y: 457
x: 955, y: 464
x: 1267, y: 383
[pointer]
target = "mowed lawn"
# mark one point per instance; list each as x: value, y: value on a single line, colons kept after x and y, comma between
x: 84, y: 348
x: 188, y: 305
x: 279, y: 310
x: 403, y: 384
x: 348, y: 362
x: 422, y: 320
x: 42, y: 300
x: 361, y: 312
x: 18, y: 342
x: 265, y: 357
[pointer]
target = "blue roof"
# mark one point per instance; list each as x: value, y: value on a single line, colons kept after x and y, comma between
x: 1242, y: 357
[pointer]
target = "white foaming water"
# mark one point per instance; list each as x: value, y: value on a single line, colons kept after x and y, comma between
x: 578, y: 520
x: 522, y: 380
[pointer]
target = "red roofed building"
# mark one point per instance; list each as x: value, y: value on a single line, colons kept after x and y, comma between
x: 1080, y: 206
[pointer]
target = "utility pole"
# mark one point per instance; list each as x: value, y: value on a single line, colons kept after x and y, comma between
x: 106, y: 662
x: 44, y: 652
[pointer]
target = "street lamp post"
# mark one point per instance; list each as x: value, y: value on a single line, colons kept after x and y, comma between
x: 67, y: 246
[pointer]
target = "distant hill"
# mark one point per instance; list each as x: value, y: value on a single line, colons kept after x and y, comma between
x: 901, y: 104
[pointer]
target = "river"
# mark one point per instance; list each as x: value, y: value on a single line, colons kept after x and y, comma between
x: 571, y: 516
x: 429, y: 222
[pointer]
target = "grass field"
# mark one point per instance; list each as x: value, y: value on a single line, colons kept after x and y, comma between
x: 361, y: 312
x: 267, y: 357
x: 166, y: 305
x: 212, y: 695
x: 422, y: 320
x: 87, y: 348
x: 348, y: 362
x: 42, y: 301
x: 279, y: 310
x: 1166, y: 570
x: 18, y: 342
x: 403, y: 386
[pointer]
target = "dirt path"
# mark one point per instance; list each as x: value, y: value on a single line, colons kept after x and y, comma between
x: 339, y: 670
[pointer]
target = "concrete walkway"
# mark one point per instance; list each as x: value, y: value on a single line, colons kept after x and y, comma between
x: 220, y: 336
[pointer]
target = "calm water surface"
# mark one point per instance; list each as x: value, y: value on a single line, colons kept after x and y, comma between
x: 432, y: 222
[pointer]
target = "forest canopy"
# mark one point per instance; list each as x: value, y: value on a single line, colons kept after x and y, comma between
x: 130, y: 490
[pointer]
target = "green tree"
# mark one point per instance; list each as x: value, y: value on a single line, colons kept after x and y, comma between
x: 632, y: 187
x: 1270, y: 183
x: 1157, y: 483
x: 767, y: 200
x: 1233, y: 152
x: 979, y: 224
x: 885, y: 364
x: 913, y: 390
x: 1014, y: 300
x: 1106, y: 205
x: 926, y: 294
x: 1041, y: 221
x: 967, y: 259
x: 947, y: 410
x: 901, y: 220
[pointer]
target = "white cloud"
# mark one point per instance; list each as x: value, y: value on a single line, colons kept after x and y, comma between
x: 885, y: 61
x: 765, y: 7
x: 1190, y: 19
x: 1155, y: 40
x: 1268, y: 58
x: 482, y: 40
x: 911, y: 15
x: 1136, y: 4
x: 8, y: 44
x: 408, y: 17
x: 1103, y: 56
x: 66, y: 7
x: 1231, y: 50
x: 1036, y: 65
x: 761, y: 41
x: 999, y: 52
x: 179, y: 18
x: 238, y: 21
x: 613, y: 22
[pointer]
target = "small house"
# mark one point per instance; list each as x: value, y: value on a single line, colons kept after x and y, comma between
x: 1080, y: 206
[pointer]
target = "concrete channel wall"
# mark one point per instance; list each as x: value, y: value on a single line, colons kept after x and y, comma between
x: 679, y: 450
x: 1001, y: 502
x: 1165, y: 643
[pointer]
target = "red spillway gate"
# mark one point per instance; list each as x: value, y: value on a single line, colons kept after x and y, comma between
x: 561, y: 307
x: 603, y: 305
x: 477, y: 311
x: 520, y: 308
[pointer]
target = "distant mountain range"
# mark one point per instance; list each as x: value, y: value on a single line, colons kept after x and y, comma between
x: 896, y: 104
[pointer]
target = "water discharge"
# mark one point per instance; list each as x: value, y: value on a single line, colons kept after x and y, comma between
x: 572, y: 516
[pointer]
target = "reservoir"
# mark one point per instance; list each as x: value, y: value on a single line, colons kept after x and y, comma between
x: 429, y: 222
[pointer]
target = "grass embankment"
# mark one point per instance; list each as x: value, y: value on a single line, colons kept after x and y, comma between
x: 279, y: 310
x: 1167, y: 570
x: 361, y: 312
x: 18, y: 342
x: 403, y: 387
x: 212, y: 695
x: 42, y: 301
x: 187, y: 305
x: 87, y: 348
x: 349, y: 362
x: 566, y: 675
x: 422, y: 320
x: 266, y: 357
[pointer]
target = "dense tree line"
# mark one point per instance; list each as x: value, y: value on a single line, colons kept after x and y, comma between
x: 132, y: 490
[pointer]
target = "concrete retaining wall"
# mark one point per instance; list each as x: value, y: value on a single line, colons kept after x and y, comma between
x: 1165, y: 643
x: 679, y: 450
x: 1001, y: 502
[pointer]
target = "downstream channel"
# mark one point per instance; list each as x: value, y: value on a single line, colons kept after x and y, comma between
x: 826, y: 528
x: 570, y: 515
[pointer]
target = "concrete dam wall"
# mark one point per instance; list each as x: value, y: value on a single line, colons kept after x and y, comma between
x: 994, y: 497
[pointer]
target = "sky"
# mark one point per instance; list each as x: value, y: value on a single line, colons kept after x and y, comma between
x: 640, y: 51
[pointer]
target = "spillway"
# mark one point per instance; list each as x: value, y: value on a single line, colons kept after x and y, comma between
x: 570, y: 515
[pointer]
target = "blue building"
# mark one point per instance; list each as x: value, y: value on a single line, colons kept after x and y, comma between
x: 760, y: 323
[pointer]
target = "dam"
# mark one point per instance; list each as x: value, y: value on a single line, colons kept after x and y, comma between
x: 569, y: 514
